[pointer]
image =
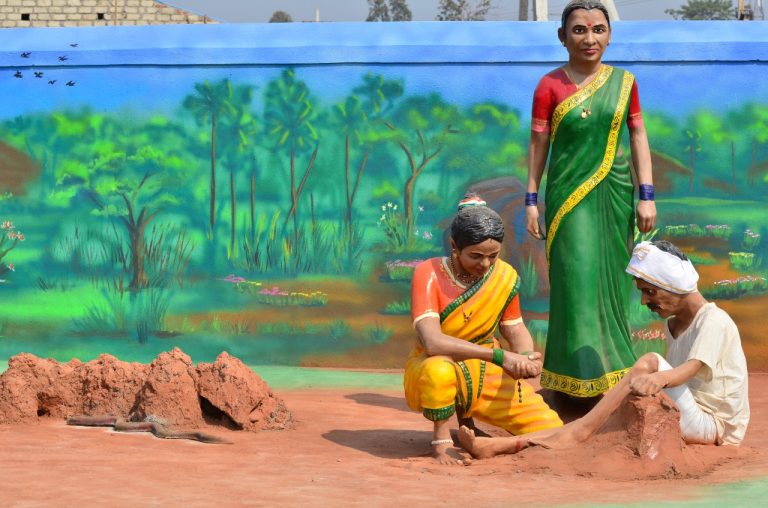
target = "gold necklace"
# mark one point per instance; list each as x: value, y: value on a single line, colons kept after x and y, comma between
x: 468, y: 280
x: 585, y: 112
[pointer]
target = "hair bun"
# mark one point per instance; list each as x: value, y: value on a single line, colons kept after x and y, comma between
x: 471, y: 201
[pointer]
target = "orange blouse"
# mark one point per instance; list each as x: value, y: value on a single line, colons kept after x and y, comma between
x: 434, y: 287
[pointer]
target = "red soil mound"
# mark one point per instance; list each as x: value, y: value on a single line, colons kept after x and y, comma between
x: 171, y: 389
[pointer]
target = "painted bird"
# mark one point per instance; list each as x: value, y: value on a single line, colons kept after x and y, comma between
x: 18, y: 74
x: 25, y: 54
x: 70, y: 83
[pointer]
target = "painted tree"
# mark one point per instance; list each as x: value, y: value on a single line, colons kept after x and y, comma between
x: 399, y: 10
x: 463, y: 10
x: 132, y: 186
x: 692, y: 147
x: 379, y: 94
x: 715, y: 132
x: 422, y: 127
x: 378, y: 11
x: 288, y: 119
x: 492, y: 144
x: 751, y: 123
x: 704, y: 9
x: 238, y: 131
x: 209, y: 103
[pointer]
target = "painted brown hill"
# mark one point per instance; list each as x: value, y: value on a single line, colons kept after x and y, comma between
x: 16, y: 170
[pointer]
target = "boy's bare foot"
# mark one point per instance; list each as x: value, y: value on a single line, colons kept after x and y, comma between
x: 470, y: 423
x: 487, y: 447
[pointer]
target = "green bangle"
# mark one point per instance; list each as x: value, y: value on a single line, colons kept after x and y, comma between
x: 498, y: 357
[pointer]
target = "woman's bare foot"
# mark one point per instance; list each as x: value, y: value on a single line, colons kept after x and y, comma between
x: 470, y: 424
x: 445, y: 454
x: 487, y: 447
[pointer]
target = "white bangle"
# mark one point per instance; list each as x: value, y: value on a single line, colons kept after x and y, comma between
x: 441, y: 441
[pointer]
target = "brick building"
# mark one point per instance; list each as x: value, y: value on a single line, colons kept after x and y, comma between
x: 29, y: 13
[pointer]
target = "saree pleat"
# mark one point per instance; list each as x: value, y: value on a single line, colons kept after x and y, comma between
x: 590, y: 218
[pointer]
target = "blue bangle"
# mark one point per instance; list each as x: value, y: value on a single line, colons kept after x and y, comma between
x: 531, y: 198
x: 646, y: 192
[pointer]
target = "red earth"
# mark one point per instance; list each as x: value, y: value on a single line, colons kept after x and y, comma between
x: 349, y: 447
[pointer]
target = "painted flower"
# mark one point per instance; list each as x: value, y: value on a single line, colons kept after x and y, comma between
x: 7, y: 225
x: 427, y: 235
x: 11, y: 267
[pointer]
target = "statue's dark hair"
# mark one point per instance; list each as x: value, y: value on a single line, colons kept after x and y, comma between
x: 476, y: 224
x: 582, y: 4
x: 666, y: 246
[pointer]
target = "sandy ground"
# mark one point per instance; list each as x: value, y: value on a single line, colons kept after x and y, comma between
x: 351, y: 447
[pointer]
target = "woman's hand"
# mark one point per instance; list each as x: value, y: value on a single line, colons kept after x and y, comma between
x: 521, y: 367
x: 532, y: 222
x: 646, y: 215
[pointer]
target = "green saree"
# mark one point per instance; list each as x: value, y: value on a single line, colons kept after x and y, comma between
x: 590, y: 223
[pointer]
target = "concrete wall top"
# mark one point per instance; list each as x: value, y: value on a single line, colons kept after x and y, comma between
x: 372, y: 43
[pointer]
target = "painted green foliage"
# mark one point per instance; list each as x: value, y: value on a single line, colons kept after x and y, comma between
x: 267, y: 183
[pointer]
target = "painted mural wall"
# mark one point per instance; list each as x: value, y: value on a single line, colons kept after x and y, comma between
x: 267, y: 189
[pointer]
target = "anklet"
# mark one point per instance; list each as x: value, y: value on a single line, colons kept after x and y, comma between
x: 441, y: 441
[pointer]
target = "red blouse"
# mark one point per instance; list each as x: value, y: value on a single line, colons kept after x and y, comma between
x: 556, y: 86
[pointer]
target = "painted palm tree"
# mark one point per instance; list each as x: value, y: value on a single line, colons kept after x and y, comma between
x: 288, y: 119
x: 379, y: 94
x: 237, y: 132
x: 209, y: 103
x: 350, y: 119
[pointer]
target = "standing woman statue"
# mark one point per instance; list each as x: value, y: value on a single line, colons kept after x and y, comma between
x: 458, y: 365
x: 579, y: 113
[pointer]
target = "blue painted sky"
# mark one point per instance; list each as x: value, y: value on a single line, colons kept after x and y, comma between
x: 673, y: 89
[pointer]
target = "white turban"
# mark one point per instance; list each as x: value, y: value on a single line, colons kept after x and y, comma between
x: 662, y: 269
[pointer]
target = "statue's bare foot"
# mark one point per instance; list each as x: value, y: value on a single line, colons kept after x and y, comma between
x: 487, y: 447
x: 445, y: 454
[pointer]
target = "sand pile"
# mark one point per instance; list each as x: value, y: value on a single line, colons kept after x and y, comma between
x: 641, y: 441
x: 224, y: 393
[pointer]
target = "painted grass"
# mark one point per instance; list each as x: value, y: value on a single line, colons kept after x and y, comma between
x: 743, y: 494
x: 36, y: 306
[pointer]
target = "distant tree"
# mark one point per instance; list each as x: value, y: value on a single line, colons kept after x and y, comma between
x: 281, y: 17
x: 704, y: 9
x: 378, y: 11
x: 399, y: 10
x: 463, y: 10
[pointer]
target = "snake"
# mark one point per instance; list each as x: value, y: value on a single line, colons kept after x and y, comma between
x: 150, y: 424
